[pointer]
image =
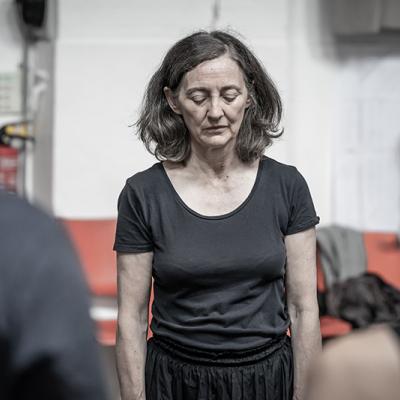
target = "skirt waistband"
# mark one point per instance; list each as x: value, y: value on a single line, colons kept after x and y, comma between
x: 221, y: 358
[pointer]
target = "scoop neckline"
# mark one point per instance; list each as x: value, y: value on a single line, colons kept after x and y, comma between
x: 221, y: 216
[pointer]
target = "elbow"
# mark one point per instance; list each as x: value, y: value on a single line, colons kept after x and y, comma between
x: 301, y: 311
x: 131, y: 325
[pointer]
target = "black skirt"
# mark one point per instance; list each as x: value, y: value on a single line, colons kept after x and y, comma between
x: 176, y: 372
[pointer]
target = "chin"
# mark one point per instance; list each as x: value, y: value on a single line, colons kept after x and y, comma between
x: 223, y: 135
x: 218, y: 140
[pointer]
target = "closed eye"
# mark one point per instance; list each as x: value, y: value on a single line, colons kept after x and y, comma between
x: 229, y: 99
x: 198, y: 99
x: 230, y: 95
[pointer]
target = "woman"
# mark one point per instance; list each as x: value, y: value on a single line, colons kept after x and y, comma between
x: 226, y: 232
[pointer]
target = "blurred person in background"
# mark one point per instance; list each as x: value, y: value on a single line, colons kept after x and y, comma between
x: 227, y: 233
x: 364, y: 365
x: 47, y: 345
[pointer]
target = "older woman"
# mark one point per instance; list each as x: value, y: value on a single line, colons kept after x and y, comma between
x: 227, y: 234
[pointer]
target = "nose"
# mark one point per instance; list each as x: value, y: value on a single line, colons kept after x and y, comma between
x: 215, y: 110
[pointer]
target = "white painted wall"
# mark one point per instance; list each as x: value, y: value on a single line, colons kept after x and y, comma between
x: 105, y: 56
x: 106, y: 52
x: 366, y: 179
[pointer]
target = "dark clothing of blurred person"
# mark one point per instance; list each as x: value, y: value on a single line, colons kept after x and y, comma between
x: 47, y: 344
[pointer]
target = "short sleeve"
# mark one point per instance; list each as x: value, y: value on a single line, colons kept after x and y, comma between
x: 133, y: 235
x: 302, y: 213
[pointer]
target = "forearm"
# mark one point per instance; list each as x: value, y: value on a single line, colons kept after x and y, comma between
x: 131, y: 351
x: 306, y: 342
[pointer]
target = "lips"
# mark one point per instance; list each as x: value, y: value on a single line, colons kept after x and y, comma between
x: 215, y: 128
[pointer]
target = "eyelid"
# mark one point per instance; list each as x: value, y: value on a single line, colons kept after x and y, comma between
x: 231, y: 91
x: 230, y: 97
x: 198, y: 99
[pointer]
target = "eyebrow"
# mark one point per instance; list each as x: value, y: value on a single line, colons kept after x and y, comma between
x: 204, y: 89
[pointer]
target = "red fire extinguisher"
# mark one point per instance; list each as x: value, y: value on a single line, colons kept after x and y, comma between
x: 8, y: 168
x: 12, y: 143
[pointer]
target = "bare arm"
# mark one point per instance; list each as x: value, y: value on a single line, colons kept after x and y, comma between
x: 134, y: 285
x: 301, y: 287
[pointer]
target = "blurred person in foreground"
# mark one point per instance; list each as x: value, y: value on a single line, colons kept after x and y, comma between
x: 364, y: 365
x: 47, y: 345
x: 227, y: 233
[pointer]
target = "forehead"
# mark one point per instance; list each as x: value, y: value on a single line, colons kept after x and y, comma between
x: 221, y: 71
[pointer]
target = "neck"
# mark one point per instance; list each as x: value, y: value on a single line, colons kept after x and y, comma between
x: 213, y: 163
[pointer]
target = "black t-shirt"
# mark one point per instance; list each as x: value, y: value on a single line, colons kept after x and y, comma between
x: 218, y: 280
x: 48, y: 348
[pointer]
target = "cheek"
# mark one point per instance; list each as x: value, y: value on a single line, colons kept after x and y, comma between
x: 192, y: 116
x: 236, y: 113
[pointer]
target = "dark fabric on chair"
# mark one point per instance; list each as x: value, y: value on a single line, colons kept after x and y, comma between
x: 363, y: 300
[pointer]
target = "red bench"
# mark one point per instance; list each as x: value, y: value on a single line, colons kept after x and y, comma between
x: 93, y: 240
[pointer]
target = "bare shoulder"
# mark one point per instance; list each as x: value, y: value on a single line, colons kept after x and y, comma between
x: 376, y: 344
x: 363, y: 364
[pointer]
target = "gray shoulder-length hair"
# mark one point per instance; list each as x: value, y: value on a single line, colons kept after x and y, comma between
x: 164, y: 132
